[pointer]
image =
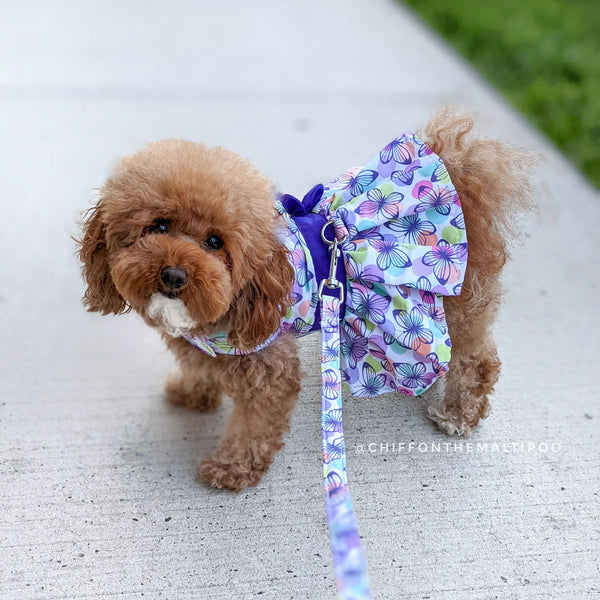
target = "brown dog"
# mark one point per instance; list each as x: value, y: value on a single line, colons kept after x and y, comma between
x: 185, y: 236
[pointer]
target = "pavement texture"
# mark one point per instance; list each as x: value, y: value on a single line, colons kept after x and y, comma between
x: 97, y: 473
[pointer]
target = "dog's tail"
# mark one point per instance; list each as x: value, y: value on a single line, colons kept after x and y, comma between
x: 492, y: 181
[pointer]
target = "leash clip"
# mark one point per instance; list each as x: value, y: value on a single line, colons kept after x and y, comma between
x: 331, y: 282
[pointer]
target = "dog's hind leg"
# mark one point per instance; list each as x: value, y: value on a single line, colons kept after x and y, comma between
x: 473, y: 371
x: 492, y: 181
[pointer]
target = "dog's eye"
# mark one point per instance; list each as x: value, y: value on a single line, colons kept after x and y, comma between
x: 214, y: 242
x: 159, y: 226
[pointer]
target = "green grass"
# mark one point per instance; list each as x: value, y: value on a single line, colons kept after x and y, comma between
x: 543, y: 55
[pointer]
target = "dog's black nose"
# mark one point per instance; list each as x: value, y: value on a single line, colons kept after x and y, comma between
x: 174, y: 278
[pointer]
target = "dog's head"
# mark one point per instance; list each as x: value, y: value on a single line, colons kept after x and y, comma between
x: 185, y: 236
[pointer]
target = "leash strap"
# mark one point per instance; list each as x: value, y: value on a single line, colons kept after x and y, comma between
x: 348, y: 556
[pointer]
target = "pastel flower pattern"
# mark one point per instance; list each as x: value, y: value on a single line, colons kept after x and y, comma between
x: 398, y: 268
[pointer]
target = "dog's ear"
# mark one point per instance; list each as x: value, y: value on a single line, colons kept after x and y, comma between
x: 101, y: 294
x: 259, y: 308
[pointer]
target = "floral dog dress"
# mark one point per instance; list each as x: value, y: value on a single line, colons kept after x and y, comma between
x: 403, y: 247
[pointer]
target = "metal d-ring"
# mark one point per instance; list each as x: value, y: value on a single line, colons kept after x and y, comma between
x: 328, y: 241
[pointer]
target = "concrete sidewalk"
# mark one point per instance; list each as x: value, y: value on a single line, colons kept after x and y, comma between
x: 97, y: 486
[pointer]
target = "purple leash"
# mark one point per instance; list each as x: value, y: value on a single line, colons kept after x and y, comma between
x: 348, y: 556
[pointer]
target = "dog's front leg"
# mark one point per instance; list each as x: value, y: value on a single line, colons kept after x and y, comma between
x: 264, y: 387
x: 197, y: 384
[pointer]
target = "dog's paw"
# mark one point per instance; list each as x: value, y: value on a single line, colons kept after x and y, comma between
x: 234, y: 476
x: 461, y: 416
x: 180, y: 394
x: 235, y: 469
x: 448, y: 422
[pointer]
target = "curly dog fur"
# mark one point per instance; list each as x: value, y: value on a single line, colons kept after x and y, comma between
x: 209, y: 213
x: 493, y: 185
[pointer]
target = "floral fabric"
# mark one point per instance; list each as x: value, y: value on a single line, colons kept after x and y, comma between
x: 404, y: 247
